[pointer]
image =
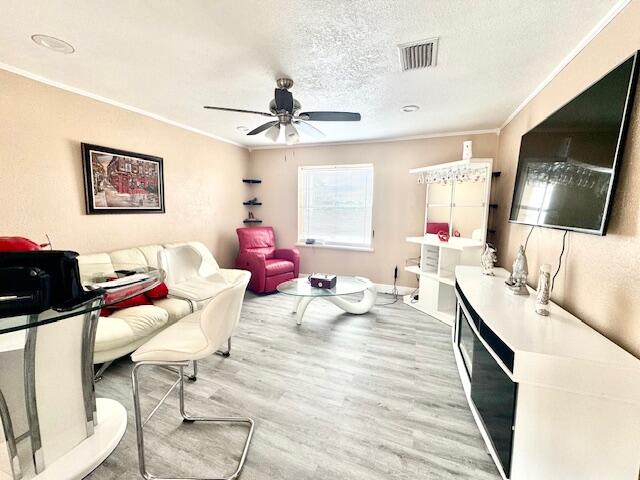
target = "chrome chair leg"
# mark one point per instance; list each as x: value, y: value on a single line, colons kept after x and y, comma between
x: 103, y: 368
x: 140, y: 422
x: 222, y: 353
x: 193, y: 377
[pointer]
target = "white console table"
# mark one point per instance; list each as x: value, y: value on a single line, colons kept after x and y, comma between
x: 553, y: 398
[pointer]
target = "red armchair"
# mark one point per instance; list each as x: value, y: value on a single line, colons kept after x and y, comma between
x: 269, y: 266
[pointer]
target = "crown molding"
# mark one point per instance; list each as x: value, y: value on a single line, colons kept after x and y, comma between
x: 494, y: 131
x: 115, y: 103
x: 611, y: 14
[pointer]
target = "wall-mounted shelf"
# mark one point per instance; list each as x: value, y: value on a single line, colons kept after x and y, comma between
x: 253, y: 202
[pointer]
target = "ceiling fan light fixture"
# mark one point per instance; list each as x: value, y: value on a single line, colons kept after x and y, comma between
x: 291, y: 134
x: 273, y: 133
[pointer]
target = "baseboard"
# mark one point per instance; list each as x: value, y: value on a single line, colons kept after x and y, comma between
x: 402, y: 290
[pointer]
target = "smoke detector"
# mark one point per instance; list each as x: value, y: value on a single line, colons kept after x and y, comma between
x: 419, y: 54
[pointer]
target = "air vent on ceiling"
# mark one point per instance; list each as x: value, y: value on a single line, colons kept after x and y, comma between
x: 420, y: 54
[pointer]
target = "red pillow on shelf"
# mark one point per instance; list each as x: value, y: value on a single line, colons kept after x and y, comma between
x: 158, y: 292
x: 437, y: 227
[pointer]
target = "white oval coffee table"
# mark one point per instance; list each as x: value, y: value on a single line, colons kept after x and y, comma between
x: 301, y: 288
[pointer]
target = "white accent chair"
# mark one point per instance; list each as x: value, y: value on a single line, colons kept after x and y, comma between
x: 193, y: 338
x: 183, y: 264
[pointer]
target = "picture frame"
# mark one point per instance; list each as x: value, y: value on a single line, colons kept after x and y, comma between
x: 121, y: 182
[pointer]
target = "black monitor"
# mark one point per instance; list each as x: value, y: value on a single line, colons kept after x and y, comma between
x: 568, y: 163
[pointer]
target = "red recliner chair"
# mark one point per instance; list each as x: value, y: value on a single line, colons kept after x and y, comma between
x: 269, y: 266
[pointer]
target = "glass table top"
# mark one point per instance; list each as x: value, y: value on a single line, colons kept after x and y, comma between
x: 344, y: 286
x: 119, y: 281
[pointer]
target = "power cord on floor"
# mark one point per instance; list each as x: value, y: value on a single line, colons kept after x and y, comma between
x: 413, y: 294
x: 394, y: 291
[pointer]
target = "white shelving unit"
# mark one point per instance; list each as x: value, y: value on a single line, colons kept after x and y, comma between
x: 464, y: 206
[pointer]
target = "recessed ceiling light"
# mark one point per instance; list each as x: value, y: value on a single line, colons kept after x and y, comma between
x: 410, y: 108
x: 53, y: 43
x: 242, y: 129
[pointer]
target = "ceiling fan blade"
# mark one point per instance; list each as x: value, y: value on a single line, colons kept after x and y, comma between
x: 263, y: 127
x: 265, y: 114
x: 330, y: 116
x: 308, y: 129
x: 284, y: 100
x: 273, y: 133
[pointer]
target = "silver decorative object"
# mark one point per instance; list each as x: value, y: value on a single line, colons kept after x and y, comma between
x: 542, y: 294
x: 517, y: 281
x: 488, y: 259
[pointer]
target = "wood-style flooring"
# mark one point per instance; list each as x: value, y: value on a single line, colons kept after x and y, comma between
x: 367, y: 397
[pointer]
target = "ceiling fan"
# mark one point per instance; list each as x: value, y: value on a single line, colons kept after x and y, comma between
x: 287, y: 110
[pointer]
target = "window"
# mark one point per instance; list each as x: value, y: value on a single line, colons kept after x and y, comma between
x: 334, y: 205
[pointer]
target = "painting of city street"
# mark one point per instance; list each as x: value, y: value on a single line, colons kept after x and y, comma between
x: 117, y: 181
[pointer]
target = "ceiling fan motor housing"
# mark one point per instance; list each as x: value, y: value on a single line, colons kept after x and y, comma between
x: 284, y: 100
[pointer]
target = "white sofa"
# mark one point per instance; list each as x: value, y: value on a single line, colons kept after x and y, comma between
x: 125, y: 330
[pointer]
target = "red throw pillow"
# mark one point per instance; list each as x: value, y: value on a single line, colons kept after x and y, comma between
x: 158, y: 292
x: 105, y: 312
x: 131, y: 302
x: 17, y: 244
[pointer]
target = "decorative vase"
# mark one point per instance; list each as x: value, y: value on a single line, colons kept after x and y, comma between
x: 542, y: 294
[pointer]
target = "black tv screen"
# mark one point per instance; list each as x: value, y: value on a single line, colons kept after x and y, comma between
x: 568, y: 163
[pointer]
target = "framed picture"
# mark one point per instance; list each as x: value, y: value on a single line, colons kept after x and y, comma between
x: 116, y: 181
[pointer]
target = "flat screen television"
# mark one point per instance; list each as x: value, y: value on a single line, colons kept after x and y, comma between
x: 568, y: 164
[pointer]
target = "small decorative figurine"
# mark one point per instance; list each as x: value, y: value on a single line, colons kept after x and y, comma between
x: 443, y: 236
x: 542, y: 295
x: 488, y: 259
x: 517, y: 281
x: 456, y: 233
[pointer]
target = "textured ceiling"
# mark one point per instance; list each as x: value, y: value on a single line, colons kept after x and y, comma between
x: 171, y: 57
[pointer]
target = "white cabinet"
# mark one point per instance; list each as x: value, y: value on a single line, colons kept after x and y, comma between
x: 456, y: 202
x: 552, y: 398
x: 438, y: 260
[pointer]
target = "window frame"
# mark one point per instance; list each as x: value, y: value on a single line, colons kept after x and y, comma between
x: 331, y: 244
